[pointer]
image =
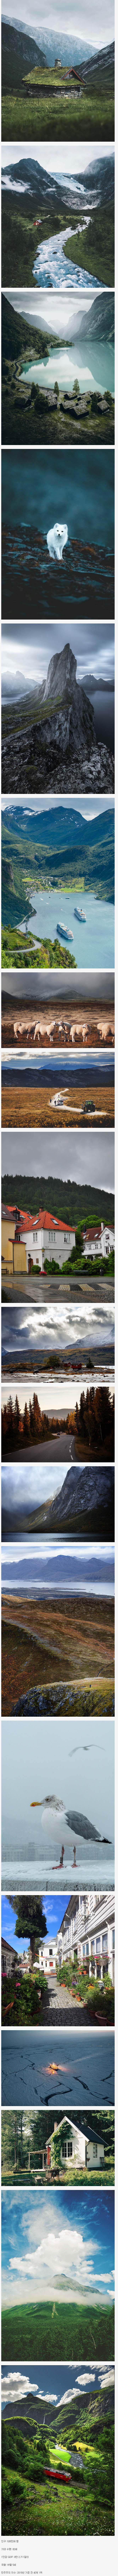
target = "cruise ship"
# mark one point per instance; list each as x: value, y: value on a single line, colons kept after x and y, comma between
x: 63, y: 932
x: 79, y: 915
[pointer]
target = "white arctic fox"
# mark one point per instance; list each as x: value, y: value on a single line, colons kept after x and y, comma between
x: 56, y: 539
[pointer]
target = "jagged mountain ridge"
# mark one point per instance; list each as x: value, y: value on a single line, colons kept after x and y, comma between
x: 99, y: 177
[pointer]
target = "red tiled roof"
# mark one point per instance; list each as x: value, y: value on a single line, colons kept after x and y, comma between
x: 42, y: 1219
x: 91, y: 1231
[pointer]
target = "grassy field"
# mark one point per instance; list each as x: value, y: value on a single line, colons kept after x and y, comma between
x: 54, y: 1637
x: 30, y: 416
x: 93, y: 247
x: 30, y: 2504
x: 66, y: 2332
x: 47, y: 106
x: 33, y: 1107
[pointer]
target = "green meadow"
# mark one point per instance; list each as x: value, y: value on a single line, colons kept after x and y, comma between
x: 29, y: 2503
x: 47, y: 106
x: 65, y: 2332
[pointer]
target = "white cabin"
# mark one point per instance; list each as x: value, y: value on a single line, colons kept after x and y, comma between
x: 76, y: 2147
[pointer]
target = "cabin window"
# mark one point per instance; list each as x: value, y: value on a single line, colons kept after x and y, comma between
x: 70, y: 2147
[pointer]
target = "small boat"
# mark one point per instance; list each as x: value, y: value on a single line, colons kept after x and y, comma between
x: 63, y: 932
x: 79, y: 916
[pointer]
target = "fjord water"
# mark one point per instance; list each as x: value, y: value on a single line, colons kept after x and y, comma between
x: 67, y: 363
x: 84, y: 2072
x: 93, y: 939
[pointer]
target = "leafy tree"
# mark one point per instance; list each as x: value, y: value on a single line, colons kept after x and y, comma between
x: 29, y: 1918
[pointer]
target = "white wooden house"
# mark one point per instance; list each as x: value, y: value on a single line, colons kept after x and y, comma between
x: 75, y: 2147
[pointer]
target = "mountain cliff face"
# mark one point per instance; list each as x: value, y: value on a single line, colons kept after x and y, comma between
x: 89, y: 1498
x: 98, y: 323
x: 63, y: 752
x: 61, y: 676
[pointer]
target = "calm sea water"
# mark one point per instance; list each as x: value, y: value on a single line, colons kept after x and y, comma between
x: 84, y: 2073
x: 93, y: 370
x: 93, y: 939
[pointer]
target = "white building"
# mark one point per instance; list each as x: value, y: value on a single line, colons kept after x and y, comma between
x: 76, y: 2147
x: 94, y: 1938
x: 100, y: 1239
x: 48, y: 1239
x: 49, y: 1953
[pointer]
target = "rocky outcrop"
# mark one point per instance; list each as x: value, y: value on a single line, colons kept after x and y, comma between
x: 62, y: 752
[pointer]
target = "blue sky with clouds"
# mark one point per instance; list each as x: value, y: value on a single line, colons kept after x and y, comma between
x: 51, y: 2382
x: 65, y: 2252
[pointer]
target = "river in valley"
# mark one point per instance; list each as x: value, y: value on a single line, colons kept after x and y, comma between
x: 51, y: 267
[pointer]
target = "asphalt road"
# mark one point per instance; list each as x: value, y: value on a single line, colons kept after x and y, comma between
x: 33, y: 1290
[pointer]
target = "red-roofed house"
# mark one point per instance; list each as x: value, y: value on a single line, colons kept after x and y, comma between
x: 32, y: 1242
x: 99, y: 1239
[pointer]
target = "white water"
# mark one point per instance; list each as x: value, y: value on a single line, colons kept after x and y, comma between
x: 52, y: 269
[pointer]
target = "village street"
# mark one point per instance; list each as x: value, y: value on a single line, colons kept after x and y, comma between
x: 59, y: 2008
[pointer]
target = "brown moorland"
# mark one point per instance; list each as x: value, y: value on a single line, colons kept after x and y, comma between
x: 54, y: 1637
x: 34, y: 1107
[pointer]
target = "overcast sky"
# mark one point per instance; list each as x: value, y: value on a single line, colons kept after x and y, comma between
x: 93, y: 985
x: 62, y: 314
x: 72, y: 1760
x: 28, y: 648
x: 26, y: 1330
x: 54, y: 158
x: 44, y: 2381
x: 60, y: 2252
x: 101, y: 27
x: 76, y: 1158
